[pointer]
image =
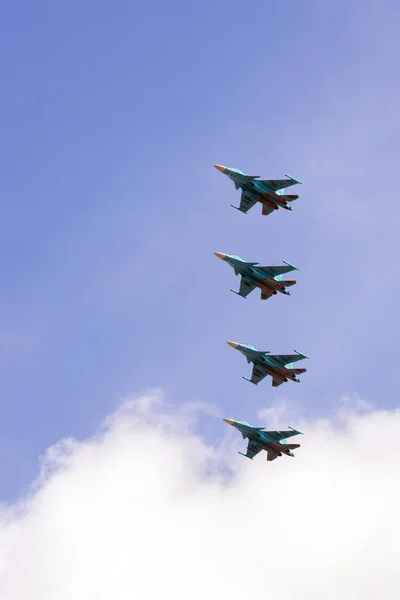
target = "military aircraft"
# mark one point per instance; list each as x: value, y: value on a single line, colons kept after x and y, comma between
x: 259, y: 439
x: 268, y: 279
x: 267, y: 191
x: 278, y: 366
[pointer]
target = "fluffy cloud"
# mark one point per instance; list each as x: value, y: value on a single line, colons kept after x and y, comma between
x: 144, y: 510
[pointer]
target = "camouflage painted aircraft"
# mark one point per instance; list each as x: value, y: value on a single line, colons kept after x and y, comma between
x: 259, y: 439
x: 278, y: 366
x: 267, y: 191
x: 268, y: 279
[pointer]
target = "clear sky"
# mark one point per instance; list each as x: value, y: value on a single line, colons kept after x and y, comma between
x: 112, y: 115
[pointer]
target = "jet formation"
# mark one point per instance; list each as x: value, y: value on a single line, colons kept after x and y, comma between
x: 270, y: 193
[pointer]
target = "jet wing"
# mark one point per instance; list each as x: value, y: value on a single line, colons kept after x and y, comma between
x: 287, y: 359
x: 277, y: 184
x: 252, y: 450
x: 257, y: 375
x: 282, y: 435
x: 245, y: 287
x: 246, y: 202
x: 274, y: 271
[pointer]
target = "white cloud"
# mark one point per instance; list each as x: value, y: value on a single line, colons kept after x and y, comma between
x: 281, y: 408
x: 141, y: 511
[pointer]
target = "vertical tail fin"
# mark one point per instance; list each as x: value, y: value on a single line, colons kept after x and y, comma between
x: 288, y: 197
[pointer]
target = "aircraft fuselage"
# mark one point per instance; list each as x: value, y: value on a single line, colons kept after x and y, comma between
x: 269, y: 198
x: 275, y: 447
x: 264, y: 283
x: 278, y: 372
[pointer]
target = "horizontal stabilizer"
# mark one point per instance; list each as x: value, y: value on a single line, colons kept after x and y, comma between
x: 271, y: 456
x: 292, y: 446
x: 297, y: 371
x: 277, y: 382
x: 267, y: 210
x: 289, y: 197
x: 288, y: 283
x: 265, y: 295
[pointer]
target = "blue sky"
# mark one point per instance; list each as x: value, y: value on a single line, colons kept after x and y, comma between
x: 111, y: 119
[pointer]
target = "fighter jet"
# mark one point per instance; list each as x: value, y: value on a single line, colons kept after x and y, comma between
x: 268, y: 279
x: 259, y: 439
x: 278, y: 366
x: 267, y: 191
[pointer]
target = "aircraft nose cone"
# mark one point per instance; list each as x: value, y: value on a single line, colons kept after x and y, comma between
x: 229, y: 421
x: 220, y: 168
x: 220, y: 255
x: 233, y: 344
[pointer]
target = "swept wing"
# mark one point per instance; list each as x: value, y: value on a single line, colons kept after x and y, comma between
x: 257, y: 375
x: 252, y: 450
x: 265, y: 295
x: 274, y: 271
x: 282, y: 435
x: 278, y: 184
x: 287, y: 359
x: 245, y: 287
x: 247, y: 202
